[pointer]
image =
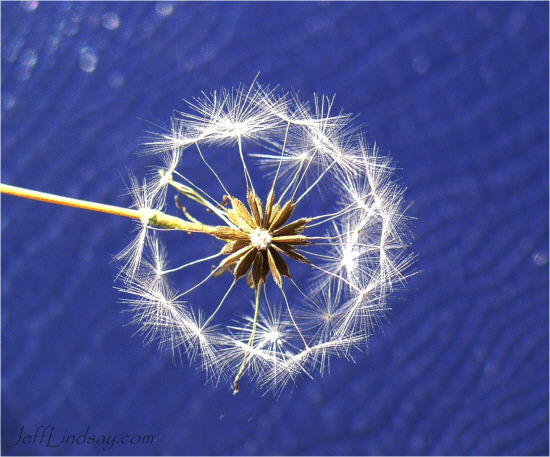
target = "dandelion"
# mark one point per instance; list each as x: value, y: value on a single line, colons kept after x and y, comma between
x: 319, y: 241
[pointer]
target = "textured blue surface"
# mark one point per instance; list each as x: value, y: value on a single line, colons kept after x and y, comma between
x: 456, y: 93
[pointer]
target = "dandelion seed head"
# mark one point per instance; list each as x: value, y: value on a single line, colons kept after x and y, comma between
x: 321, y: 241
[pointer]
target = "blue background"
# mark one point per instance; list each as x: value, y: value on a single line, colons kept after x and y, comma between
x: 456, y: 93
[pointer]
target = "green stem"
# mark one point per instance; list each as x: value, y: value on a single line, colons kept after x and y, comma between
x: 160, y: 219
x: 192, y: 194
x: 149, y: 216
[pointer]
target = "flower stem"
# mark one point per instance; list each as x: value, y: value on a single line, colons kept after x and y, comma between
x: 67, y: 201
x: 149, y: 216
x: 236, y: 387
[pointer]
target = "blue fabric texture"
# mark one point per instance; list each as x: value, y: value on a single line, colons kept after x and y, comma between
x: 456, y: 93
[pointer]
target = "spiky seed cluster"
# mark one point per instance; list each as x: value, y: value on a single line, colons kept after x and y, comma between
x: 332, y: 269
x: 260, y: 238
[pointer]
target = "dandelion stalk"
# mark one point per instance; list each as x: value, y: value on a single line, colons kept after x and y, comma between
x: 151, y: 217
x: 67, y: 201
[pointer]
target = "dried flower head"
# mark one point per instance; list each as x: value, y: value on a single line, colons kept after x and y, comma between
x: 331, y: 270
